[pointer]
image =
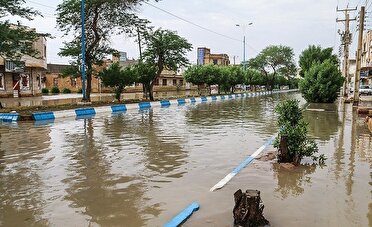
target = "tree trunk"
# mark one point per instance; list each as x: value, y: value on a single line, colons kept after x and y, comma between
x: 151, y: 94
x: 248, y: 209
x: 89, y: 86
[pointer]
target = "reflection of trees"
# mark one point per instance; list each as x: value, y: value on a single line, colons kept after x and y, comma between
x: 20, y: 194
x: 109, y: 199
x: 163, y: 155
x: 291, y: 182
x: 322, y: 125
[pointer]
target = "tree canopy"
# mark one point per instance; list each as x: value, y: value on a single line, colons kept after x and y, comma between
x: 321, y: 82
x: 271, y: 60
x: 315, y: 54
x: 165, y: 50
x: 16, y: 40
x: 103, y: 19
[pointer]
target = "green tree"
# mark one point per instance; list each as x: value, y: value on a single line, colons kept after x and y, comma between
x: 195, y: 75
x: 146, y: 73
x: 315, y: 54
x: 272, y: 60
x: 103, y: 19
x: 118, y: 78
x: 17, y: 40
x: 321, y: 82
x: 165, y: 50
x: 292, y: 141
x: 237, y: 76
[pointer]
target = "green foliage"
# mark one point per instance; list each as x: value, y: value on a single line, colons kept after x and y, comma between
x: 271, y: 61
x: 66, y: 91
x: 315, y: 55
x: 146, y: 73
x: 17, y: 40
x: 294, y: 128
x: 165, y: 50
x: 45, y: 91
x: 55, y: 90
x: 103, y: 20
x: 118, y: 78
x: 321, y: 82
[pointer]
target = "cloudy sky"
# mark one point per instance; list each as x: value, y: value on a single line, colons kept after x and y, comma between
x: 295, y: 23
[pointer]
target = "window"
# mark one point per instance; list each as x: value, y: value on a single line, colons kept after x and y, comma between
x: 164, y: 82
x: 174, y: 82
x: 72, y: 81
x: 55, y: 82
x: 2, y: 81
x: 44, y: 51
x: 181, y: 82
x: 215, y: 61
x: 25, y: 82
x: 157, y: 82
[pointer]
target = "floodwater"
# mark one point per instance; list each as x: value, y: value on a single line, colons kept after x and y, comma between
x: 142, y: 168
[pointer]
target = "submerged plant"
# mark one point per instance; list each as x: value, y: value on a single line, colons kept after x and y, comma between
x: 292, y: 141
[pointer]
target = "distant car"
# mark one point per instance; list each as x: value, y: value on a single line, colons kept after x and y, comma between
x: 365, y: 90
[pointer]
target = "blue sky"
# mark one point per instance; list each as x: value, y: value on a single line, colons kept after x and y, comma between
x: 295, y: 23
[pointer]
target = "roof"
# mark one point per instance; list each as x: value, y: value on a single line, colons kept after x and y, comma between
x: 56, y: 68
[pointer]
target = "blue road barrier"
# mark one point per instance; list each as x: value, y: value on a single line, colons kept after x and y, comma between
x: 8, y: 117
x: 119, y: 108
x: 192, y: 100
x: 144, y: 105
x: 204, y: 99
x: 181, y: 101
x: 230, y: 96
x: 222, y: 97
x: 85, y: 112
x: 165, y: 103
x: 183, y: 215
x: 42, y: 116
x: 214, y: 98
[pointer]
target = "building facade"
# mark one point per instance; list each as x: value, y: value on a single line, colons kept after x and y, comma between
x: 24, y: 78
x: 366, y: 60
x: 205, y: 57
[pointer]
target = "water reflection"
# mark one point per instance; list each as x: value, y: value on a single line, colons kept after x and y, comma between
x: 21, y: 185
x: 108, y: 199
x: 291, y: 182
x: 322, y: 125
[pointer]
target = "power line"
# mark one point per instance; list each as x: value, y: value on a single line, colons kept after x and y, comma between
x: 51, y: 7
x: 197, y: 25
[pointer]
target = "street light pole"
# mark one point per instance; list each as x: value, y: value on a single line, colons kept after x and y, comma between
x: 244, y: 27
x: 83, y: 69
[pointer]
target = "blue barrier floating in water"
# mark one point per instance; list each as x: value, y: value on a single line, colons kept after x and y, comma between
x: 165, y: 103
x: 119, y: 108
x: 181, y: 101
x: 214, y: 98
x: 144, y: 105
x: 192, y: 100
x: 183, y: 215
x: 204, y: 99
x: 43, y: 116
x: 85, y: 112
x: 8, y: 117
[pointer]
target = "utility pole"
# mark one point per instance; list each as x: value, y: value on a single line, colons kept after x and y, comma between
x: 83, y: 65
x: 346, y: 41
x: 359, y: 56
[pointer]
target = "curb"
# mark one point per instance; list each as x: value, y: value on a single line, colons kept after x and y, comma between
x: 92, y: 111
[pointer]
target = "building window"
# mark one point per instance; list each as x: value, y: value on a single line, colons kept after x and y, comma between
x: 2, y: 81
x: 215, y: 61
x: 45, y: 51
x: 55, y: 82
x: 181, y: 82
x: 164, y: 82
x: 156, y: 82
x: 25, y: 82
x: 72, y: 81
x: 174, y: 82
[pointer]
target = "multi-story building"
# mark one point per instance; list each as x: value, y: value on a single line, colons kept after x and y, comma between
x: 366, y: 60
x: 206, y: 57
x: 24, y: 78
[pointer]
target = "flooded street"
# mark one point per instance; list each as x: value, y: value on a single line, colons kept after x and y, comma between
x: 142, y: 168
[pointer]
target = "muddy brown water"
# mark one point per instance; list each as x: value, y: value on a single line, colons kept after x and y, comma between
x: 141, y: 169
